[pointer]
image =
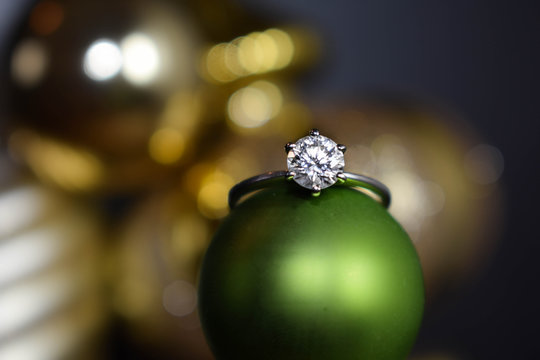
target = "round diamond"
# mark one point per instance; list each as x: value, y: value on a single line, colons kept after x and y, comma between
x: 315, y: 161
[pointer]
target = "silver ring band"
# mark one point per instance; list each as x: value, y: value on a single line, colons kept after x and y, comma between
x: 272, y: 177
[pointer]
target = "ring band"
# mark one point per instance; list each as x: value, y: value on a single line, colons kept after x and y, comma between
x: 269, y: 178
x: 315, y: 162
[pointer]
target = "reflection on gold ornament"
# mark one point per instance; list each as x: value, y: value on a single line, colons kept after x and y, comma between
x: 253, y: 105
x: 257, y: 53
x: 233, y: 160
x: 451, y: 216
x: 172, y: 140
x: 51, y: 304
x: 57, y: 163
x: 266, y: 108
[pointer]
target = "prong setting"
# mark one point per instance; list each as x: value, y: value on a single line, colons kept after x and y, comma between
x: 342, y: 148
x: 314, y: 132
x: 290, y: 175
x: 341, y: 178
x: 289, y: 146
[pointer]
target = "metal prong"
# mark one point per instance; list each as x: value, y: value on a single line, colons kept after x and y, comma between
x: 341, y: 178
x: 314, y: 132
x: 342, y: 148
x: 289, y: 146
x: 316, y: 193
x: 290, y: 175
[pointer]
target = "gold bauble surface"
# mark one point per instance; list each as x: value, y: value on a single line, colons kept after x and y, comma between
x: 95, y: 85
x: 443, y: 179
x: 118, y: 96
x: 51, y: 301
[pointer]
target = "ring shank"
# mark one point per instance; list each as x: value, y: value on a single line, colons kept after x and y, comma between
x: 273, y: 177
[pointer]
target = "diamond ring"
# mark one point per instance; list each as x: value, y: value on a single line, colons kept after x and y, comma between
x: 314, y: 162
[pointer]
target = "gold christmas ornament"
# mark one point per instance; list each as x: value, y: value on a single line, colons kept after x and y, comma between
x: 444, y: 181
x: 98, y: 85
x: 132, y: 97
x: 51, y: 300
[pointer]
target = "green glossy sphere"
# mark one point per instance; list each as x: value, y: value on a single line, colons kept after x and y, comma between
x: 291, y: 276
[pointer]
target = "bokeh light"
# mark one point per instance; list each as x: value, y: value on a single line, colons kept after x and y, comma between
x: 213, y: 194
x: 255, y: 53
x: 484, y: 164
x: 46, y: 17
x: 254, y: 105
x: 141, y: 59
x: 57, y: 163
x: 180, y: 298
x: 166, y: 145
x: 29, y: 63
x: 102, y: 60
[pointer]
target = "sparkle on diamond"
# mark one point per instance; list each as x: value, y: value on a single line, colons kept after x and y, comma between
x: 316, y: 162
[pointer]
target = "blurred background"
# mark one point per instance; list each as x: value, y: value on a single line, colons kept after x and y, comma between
x: 123, y: 124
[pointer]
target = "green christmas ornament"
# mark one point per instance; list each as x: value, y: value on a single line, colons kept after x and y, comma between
x: 292, y: 276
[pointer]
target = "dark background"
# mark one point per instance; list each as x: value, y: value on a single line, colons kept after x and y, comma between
x: 480, y: 58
